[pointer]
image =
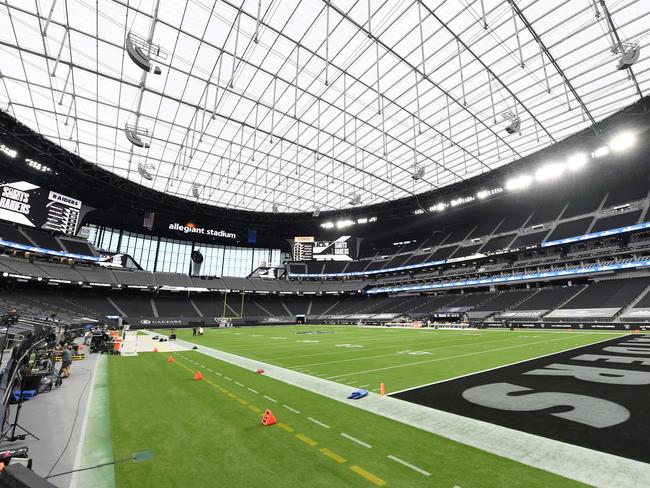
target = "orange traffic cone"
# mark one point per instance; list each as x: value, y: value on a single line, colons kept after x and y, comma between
x: 268, y: 418
x: 170, y: 359
x: 198, y: 375
x: 155, y: 349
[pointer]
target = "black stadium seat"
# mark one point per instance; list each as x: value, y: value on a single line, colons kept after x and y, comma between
x: 571, y: 228
x: 616, y: 221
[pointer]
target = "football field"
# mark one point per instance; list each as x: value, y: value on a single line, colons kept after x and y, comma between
x: 208, y: 432
x: 400, y: 358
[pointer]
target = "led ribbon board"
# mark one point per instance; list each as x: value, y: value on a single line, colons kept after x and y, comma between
x: 595, y: 235
x: 51, y: 252
x: 366, y: 273
x: 511, y: 278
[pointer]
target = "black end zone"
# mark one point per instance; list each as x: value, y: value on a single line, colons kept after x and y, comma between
x: 597, y: 396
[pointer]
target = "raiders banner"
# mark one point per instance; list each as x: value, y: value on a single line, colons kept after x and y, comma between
x: 33, y: 206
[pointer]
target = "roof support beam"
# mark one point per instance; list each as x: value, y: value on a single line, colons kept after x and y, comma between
x: 491, y: 73
x: 406, y: 62
x: 612, y: 29
x: 559, y: 70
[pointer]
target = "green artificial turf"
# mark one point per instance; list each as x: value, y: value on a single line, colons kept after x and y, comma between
x: 204, y: 436
x: 399, y: 358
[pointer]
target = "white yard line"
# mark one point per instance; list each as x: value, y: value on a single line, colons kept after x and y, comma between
x: 239, y: 384
x: 270, y: 399
x: 318, y: 422
x: 447, y: 339
x: 354, y: 439
x: 406, y: 365
x: 250, y: 389
x: 291, y: 409
x: 409, y: 465
x: 497, y: 367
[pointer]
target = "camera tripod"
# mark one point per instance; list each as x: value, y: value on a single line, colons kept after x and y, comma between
x: 15, y: 425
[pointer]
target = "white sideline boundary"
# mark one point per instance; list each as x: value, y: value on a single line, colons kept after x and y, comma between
x: 581, y: 464
x: 84, y: 426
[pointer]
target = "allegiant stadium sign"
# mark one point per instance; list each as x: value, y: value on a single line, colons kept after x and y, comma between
x: 190, y: 228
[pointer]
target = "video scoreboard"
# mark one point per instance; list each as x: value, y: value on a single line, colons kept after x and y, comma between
x: 33, y: 206
x: 307, y: 248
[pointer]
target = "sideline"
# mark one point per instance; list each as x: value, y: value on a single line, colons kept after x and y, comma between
x: 96, y: 445
x: 581, y: 464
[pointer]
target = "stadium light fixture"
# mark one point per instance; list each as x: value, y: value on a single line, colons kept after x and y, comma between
x: 550, y: 171
x: 600, y: 152
x: 418, y: 172
x: 622, y: 142
x: 362, y: 220
x: 146, y: 170
x: 629, y: 52
x: 519, y: 182
x: 577, y: 161
x: 439, y: 207
x: 342, y: 224
x: 38, y: 166
x: 12, y: 153
x: 483, y: 194
x: 327, y: 225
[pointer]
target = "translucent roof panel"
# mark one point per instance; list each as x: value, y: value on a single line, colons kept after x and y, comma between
x: 297, y: 105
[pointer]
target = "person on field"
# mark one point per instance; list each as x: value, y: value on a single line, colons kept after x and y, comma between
x: 66, y: 361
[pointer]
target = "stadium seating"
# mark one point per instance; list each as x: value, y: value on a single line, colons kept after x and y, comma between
x: 617, y: 220
x: 59, y: 272
x: 602, y: 299
x: 77, y: 247
x: 137, y: 278
x: 173, y: 279
x: 96, y: 274
x: 173, y: 306
x: 43, y: 239
x: 546, y: 299
x: 11, y: 233
x: 570, y: 228
x: 133, y: 305
x: 504, y: 301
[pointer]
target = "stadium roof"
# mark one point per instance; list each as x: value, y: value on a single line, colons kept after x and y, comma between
x: 305, y: 104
